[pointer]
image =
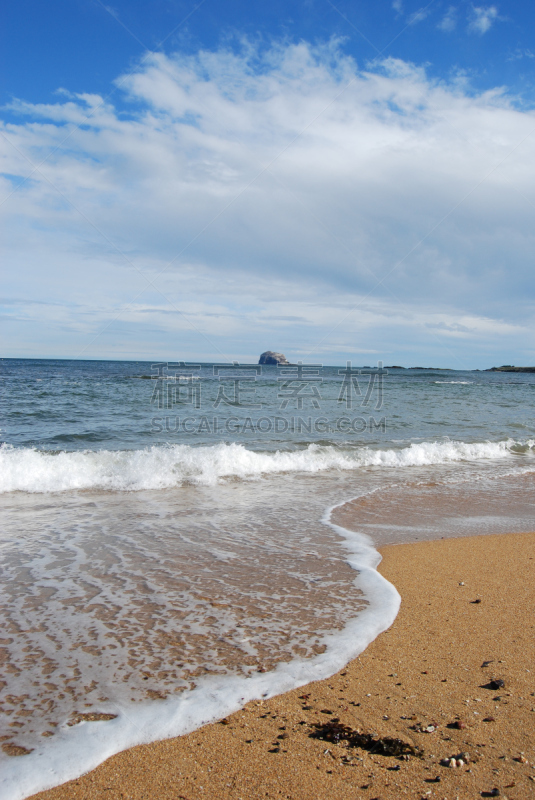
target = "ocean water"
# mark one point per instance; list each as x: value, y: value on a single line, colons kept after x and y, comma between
x: 178, y: 539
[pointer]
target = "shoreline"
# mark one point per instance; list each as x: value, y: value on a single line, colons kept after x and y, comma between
x: 421, y: 681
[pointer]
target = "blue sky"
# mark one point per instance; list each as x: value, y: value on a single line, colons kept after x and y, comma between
x: 207, y: 181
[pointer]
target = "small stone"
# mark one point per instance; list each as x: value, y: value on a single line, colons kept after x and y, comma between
x: 489, y: 719
x: 496, y: 683
x: 459, y: 724
x: 521, y: 760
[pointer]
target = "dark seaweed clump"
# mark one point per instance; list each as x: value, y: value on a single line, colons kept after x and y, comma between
x: 335, y: 731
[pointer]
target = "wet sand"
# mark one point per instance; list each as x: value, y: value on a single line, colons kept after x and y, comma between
x: 423, y: 681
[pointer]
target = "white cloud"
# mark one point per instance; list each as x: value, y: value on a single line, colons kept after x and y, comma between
x: 448, y: 23
x: 519, y: 54
x: 288, y: 195
x: 483, y: 17
x: 418, y: 16
x: 397, y: 5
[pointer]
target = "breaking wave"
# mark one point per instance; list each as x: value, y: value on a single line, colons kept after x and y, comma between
x: 31, y: 470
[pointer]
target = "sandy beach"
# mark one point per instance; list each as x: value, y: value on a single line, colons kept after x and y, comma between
x: 433, y: 681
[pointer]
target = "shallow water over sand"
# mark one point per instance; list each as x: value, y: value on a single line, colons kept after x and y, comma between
x: 455, y: 503
x: 115, y: 599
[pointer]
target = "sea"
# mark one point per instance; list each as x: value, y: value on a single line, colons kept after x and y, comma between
x: 180, y: 538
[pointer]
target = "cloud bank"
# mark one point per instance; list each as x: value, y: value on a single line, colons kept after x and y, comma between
x: 223, y: 203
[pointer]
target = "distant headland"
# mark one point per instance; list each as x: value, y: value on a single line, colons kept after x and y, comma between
x: 510, y: 368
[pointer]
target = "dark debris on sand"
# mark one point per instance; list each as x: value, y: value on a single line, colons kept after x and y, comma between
x: 335, y: 731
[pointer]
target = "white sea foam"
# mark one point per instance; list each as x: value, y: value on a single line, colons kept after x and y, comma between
x: 462, y: 383
x: 78, y: 749
x: 30, y: 470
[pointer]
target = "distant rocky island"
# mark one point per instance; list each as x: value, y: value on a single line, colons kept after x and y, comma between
x: 510, y: 368
x: 269, y: 357
x: 272, y: 358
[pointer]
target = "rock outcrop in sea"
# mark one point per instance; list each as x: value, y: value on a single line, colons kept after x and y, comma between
x: 269, y: 357
x: 510, y: 368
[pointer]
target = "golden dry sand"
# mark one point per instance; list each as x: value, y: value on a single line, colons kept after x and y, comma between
x: 425, y: 671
